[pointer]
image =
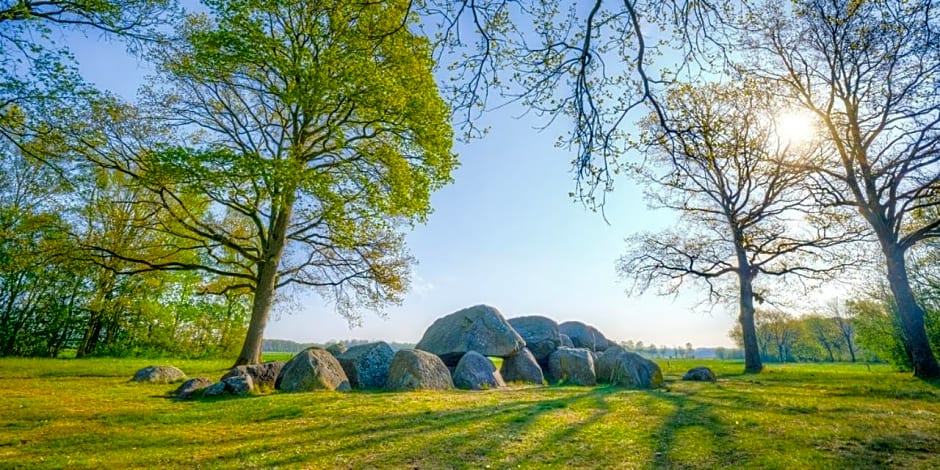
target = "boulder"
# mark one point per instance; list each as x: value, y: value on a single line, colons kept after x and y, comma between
x: 522, y: 368
x: 159, y: 374
x: 540, y: 334
x: 627, y: 369
x: 700, y: 374
x: 235, y: 385
x: 263, y: 375
x: 413, y: 369
x: 476, y: 372
x: 192, y: 387
x: 336, y: 348
x: 572, y: 366
x: 604, y: 363
x: 215, y: 390
x: 312, y: 369
x: 366, y: 365
x: 480, y: 328
x: 584, y: 336
x: 566, y: 341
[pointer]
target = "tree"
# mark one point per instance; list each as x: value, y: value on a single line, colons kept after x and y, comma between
x: 827, y: 334
x: 722, y: 166
x: 842, y: 316
x: 868, y: 71
x: 308, y: 133
x: 591, y: 62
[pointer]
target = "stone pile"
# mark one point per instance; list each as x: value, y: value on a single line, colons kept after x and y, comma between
x: 454, y: 352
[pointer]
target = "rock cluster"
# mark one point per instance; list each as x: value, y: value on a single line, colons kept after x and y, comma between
x: 454, y: 352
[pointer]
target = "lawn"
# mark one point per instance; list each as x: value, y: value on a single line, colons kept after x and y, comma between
x: 86, y: 414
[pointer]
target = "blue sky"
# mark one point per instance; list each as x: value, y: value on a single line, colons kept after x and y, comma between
x: 505, y: 233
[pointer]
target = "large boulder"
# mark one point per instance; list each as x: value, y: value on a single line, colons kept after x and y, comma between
x: 413, y: 369
x: 627, y: 369
x: 263, y: 375
x: 159, y: 374
x: 312, y: 369
x: 700, y: 374
x: 366, y: 365
x: 540, y: 334
x: 522, y: 368
x: 584, y: 336
x: 192, y: 387
x: 480, y: 328
x: 573, y: 366
x: 476, y: 372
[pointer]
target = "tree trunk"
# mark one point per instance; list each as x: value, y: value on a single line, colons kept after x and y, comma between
x: 910, y: 314
x: 752, y: 362
x: 267, y: 284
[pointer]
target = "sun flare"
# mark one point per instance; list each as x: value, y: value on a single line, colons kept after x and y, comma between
x: 795, y: 127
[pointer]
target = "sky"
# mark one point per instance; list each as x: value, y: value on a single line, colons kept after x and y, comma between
x: 505, y: 233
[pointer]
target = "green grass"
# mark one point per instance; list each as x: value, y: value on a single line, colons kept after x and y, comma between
x: 86, y: 414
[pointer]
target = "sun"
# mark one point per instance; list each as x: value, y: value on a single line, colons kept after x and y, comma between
x: 795, y: 127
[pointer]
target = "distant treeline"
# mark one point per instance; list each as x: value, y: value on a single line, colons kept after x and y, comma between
x: 288, y: 346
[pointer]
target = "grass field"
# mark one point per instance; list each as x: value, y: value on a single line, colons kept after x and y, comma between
x: 86, y: 414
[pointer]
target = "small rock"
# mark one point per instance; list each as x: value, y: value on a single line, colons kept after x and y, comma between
x: 263, y: 375
x: 215, y: 390
x: 159, y: 374
x: 700, y: 374
x: 566, y: 341
x: 192, y: 387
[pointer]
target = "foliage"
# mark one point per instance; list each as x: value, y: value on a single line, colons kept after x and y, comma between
x: 52, y: 418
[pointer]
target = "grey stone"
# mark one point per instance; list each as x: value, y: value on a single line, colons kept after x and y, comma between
x: 192, y: 387
x: 572, y: 366
x: 239, y: 385
x: 604, y: 363
x: 476, y: 372
x: 336, y: 348
x: 215, y: 390
x: 366, y: 365
x: 627, y: 369
x: 263, y: 375
x: 480, y: 328
x: 584, y: 336
x: 566, y: 341
x: 540, y: 334
x: 522, y: 368
x: 159, y: 374
x: 312, y: 369
x: 700, y: 374
x: 413, y: 369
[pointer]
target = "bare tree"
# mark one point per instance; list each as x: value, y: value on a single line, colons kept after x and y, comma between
x: 592, y: 62
x: 742, y: 204
x: 868, y: 70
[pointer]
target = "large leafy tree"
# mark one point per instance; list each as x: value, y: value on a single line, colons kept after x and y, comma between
x: 308, y: 133
x: 720, y: 163
x: 868, y: 70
